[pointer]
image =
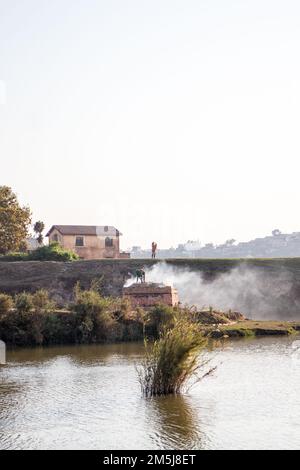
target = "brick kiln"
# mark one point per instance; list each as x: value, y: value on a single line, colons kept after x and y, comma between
x: 148, y: 295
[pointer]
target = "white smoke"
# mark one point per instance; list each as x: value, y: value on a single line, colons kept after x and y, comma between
x: 253, y: 292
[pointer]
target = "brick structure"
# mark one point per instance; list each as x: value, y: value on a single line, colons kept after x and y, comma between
x: 148, y: 295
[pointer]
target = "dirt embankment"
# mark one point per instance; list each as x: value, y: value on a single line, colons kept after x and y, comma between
x: 60, y: 278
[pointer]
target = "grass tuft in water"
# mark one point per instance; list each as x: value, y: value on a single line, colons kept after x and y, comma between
x: 172, y: 360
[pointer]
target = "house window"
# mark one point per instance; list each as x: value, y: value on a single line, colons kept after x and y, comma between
x: 79, y: 241
x: 106, y: 228
x: 109, y: 242
x: 55, y: 237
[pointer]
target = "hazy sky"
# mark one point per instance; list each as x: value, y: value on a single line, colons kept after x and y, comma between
x: 171, y: 120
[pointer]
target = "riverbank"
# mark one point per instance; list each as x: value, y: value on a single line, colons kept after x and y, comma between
x: 115, y: 323
x: 246, y: 328
x: 35, y: 320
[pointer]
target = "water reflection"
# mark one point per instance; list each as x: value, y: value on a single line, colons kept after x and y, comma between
x: 81, y: 354
x: 177, y: 423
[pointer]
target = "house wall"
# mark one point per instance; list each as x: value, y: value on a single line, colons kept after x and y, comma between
x: 94, y: 245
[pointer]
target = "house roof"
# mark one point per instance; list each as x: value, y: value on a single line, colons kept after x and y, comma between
x: 97, y: 230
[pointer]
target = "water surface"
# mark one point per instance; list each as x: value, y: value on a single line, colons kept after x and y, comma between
x: 88, y: 397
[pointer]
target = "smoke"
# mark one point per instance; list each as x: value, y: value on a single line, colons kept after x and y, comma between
x: 254, y: 292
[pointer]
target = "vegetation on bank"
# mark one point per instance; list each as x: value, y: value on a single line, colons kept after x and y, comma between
x: 34, y: 320
x: 248, y: 328
x: 52, y: 252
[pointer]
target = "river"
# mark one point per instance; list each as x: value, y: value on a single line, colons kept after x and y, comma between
x: 88, y: 397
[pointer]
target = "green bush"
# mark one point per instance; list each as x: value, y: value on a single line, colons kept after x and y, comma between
x: 24, y: 329
x: 52, y: 252
x: 59, y: 328
x: 88, y: 302
x: 95, y: 316
x: 15, y: 257
x: 159, y: 318
x: 6, y: 304
x: 23, y: 302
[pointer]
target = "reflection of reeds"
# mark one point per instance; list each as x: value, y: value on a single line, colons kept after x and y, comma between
x: 176, y: 424
x: 172, y: 360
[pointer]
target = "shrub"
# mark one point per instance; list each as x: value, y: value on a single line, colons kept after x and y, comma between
x: 87, y: 302
x: 6, y: 304
x: 59, y: 328
x: 172, y: 360
x: 159, y: 318
x: 15, y: 257
x: 22, y: 329
x: 42, y: 302
x: 23, y: 302
x: 95, y: 316
x: 52, y: 252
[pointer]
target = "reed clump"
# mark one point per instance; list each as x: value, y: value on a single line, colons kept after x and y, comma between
x: 173, y: 359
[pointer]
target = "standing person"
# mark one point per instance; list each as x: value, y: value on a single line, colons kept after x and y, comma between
x: 140, y: 275
x: 154, y: 248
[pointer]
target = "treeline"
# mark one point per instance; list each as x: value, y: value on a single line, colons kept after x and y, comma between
x: 34, y: 319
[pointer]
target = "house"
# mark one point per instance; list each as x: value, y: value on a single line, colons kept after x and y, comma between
x: 88, y: 241
x: 32, y: 244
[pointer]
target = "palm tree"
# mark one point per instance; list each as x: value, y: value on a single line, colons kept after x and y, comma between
x: 38, y: 228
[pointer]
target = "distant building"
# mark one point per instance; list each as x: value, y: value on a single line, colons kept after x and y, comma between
x: 192, y: 245
x: 136, y: 249
x: 32, y: 244
x: 88, y: 241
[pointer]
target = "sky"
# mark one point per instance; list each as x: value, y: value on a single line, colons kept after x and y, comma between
x: 171, y: 120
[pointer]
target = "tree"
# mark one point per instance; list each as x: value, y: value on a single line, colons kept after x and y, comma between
x: 14, y: 221
x: 276, y: 232
x: 209, y: 245
x: 230, y: 242
x: 38, y: 228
